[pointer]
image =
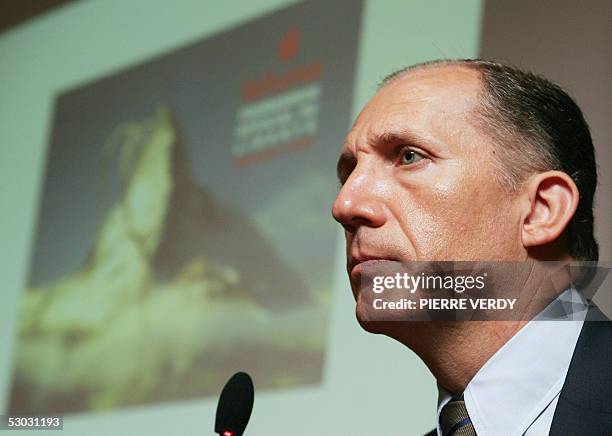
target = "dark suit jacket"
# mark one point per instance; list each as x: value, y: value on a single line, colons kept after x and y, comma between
x: 585, y: 402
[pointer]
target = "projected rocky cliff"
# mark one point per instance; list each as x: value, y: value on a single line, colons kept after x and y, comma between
x: 176, y: 289
x: 184, y: 229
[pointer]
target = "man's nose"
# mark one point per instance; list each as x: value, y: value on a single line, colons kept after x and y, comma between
x: 358, y: 205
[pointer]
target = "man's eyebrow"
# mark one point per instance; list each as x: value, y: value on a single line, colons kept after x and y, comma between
x: 406, y: 137
x: 346, y: 163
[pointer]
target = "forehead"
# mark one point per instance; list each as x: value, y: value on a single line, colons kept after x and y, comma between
x: 430, y: 101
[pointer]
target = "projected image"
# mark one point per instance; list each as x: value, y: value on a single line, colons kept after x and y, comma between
x: 184, y: 230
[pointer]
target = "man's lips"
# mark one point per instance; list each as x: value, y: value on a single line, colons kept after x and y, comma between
x: 357, y: 263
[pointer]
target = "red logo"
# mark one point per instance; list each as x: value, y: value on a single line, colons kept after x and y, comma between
x: 289, y: 44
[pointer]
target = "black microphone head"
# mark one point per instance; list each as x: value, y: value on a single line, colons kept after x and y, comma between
x: 235, y: 405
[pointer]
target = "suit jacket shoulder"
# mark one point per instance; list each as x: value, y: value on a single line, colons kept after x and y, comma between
x: 585, y: 402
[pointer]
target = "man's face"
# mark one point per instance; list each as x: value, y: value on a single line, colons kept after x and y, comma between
x: 419, y: 178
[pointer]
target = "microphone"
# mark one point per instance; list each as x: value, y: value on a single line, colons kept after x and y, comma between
x: 235, y: 405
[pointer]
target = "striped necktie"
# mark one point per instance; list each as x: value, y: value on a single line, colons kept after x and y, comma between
x: 454, y: 419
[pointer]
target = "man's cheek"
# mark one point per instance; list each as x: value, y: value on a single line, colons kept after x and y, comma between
x: 427, y: 232
x: 445, y: 228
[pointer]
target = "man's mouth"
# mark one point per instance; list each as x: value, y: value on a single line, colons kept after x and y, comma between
x: 358, y: 262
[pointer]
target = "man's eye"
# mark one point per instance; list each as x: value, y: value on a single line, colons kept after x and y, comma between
x: 409, y: 157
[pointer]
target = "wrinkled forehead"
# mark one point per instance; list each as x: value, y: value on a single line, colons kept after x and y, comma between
x: 431, y: 101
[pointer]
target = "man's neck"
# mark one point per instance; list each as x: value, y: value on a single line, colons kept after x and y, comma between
x: 454, y: 351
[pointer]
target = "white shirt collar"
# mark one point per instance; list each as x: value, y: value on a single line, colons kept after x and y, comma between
x: 521, y: 379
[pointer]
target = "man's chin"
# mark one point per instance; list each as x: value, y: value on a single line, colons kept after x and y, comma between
x: 375, y: 327
x: 395, y: 326
x: 372, y: 325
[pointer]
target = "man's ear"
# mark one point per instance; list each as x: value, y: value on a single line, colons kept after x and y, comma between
x: 553, y: 198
